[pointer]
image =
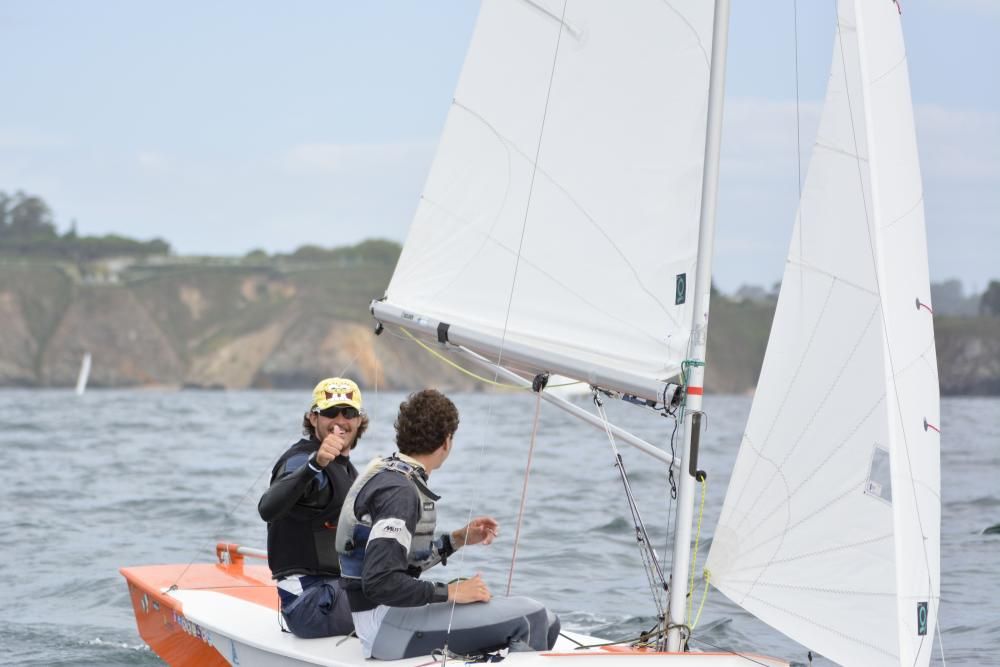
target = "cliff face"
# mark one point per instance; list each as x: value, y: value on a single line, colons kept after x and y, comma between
x: 968, y: 355
x: 232, y: 326
x: 203, y: 326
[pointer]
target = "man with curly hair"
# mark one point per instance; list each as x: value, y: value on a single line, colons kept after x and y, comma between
x: 386, y: 539
x: 308, y: 486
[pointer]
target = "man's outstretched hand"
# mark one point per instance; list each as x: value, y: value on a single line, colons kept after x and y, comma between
x: 481, y: 530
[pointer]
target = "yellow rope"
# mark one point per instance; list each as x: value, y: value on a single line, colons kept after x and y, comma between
x: 457, y: 367
x: 707, y: 574
x: 694, y: 556
x: 466, y: 371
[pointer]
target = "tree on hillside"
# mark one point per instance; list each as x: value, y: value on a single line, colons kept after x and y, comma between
x: 373, y: 250
x: 989, y: 304
x: 27, y: 229
x: 25, y: 217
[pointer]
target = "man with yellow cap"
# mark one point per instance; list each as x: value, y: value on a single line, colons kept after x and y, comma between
x: 302, y: 505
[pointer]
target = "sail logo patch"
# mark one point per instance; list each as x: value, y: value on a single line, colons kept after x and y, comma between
x: 921, y: 618
x: 680, y: 289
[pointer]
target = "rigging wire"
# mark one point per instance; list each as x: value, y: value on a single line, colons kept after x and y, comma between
x: 524, y: 491
x: 650, y: 559
x: 222, y: 522
x: 672, y: 494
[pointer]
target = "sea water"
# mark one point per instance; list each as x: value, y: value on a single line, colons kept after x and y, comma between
x: 117, y: 478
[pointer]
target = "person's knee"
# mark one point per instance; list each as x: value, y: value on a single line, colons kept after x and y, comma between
x: 320, y: 611
x: 554, y: 627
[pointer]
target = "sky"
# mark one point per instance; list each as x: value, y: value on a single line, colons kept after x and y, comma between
x: 230, y: 126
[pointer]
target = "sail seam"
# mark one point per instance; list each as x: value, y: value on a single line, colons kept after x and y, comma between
x: 816, y: 589
x: 842, y: 635
x: 853, y: 488
x: 819, y: 406
x: 841, y: 151
x: 468, y: 227
x: 632, y: 327
x: 511, y: 147
x: 902, y: 61
x: 813, y: 554
x: 697, y: 37
x: 784, y: 399
x: 918, y: 204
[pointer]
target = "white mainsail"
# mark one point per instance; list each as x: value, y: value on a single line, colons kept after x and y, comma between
x: 830, y: 528
x: 563, y: 202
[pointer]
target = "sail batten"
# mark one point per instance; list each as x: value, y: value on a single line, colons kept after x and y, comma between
x: 830, y: 527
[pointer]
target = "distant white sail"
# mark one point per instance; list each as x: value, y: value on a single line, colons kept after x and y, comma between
x: 84, y: 375
x: 830, y: 528
x: 575, y: 143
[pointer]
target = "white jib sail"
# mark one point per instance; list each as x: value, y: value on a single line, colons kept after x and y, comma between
x: 831, y: 525
x: 563, y: 202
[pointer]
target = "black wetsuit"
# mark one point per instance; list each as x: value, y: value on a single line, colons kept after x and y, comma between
x: 301, y: 508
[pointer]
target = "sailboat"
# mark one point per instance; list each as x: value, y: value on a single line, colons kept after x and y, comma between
x: 566, y: 228
x: 84, y: 375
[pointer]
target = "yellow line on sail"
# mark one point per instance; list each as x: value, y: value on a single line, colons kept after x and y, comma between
x: 466, y: 371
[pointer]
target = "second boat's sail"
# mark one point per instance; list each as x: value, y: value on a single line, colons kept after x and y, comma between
x: 830, y: 527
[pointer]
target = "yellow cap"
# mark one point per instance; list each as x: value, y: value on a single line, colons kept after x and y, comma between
x: 336, y: 391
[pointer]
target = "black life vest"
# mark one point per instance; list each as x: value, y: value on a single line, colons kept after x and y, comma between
x: 303, y: 540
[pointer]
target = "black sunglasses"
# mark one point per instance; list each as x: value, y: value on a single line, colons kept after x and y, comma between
x: 350, y: 412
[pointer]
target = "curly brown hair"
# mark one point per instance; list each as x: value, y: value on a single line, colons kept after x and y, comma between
x: 426, y: 419
x: 310, y: 432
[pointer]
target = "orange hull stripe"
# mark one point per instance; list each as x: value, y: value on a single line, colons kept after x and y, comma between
x: 160, y: 617
x: 697, y: 391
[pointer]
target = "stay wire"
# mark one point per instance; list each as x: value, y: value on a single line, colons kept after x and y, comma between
x: 524, y: 491
x: 672, y: 495
x: 222, y: 522
x: 651, y: 563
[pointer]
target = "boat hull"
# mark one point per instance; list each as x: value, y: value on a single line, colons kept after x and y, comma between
x: 227, y: 613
